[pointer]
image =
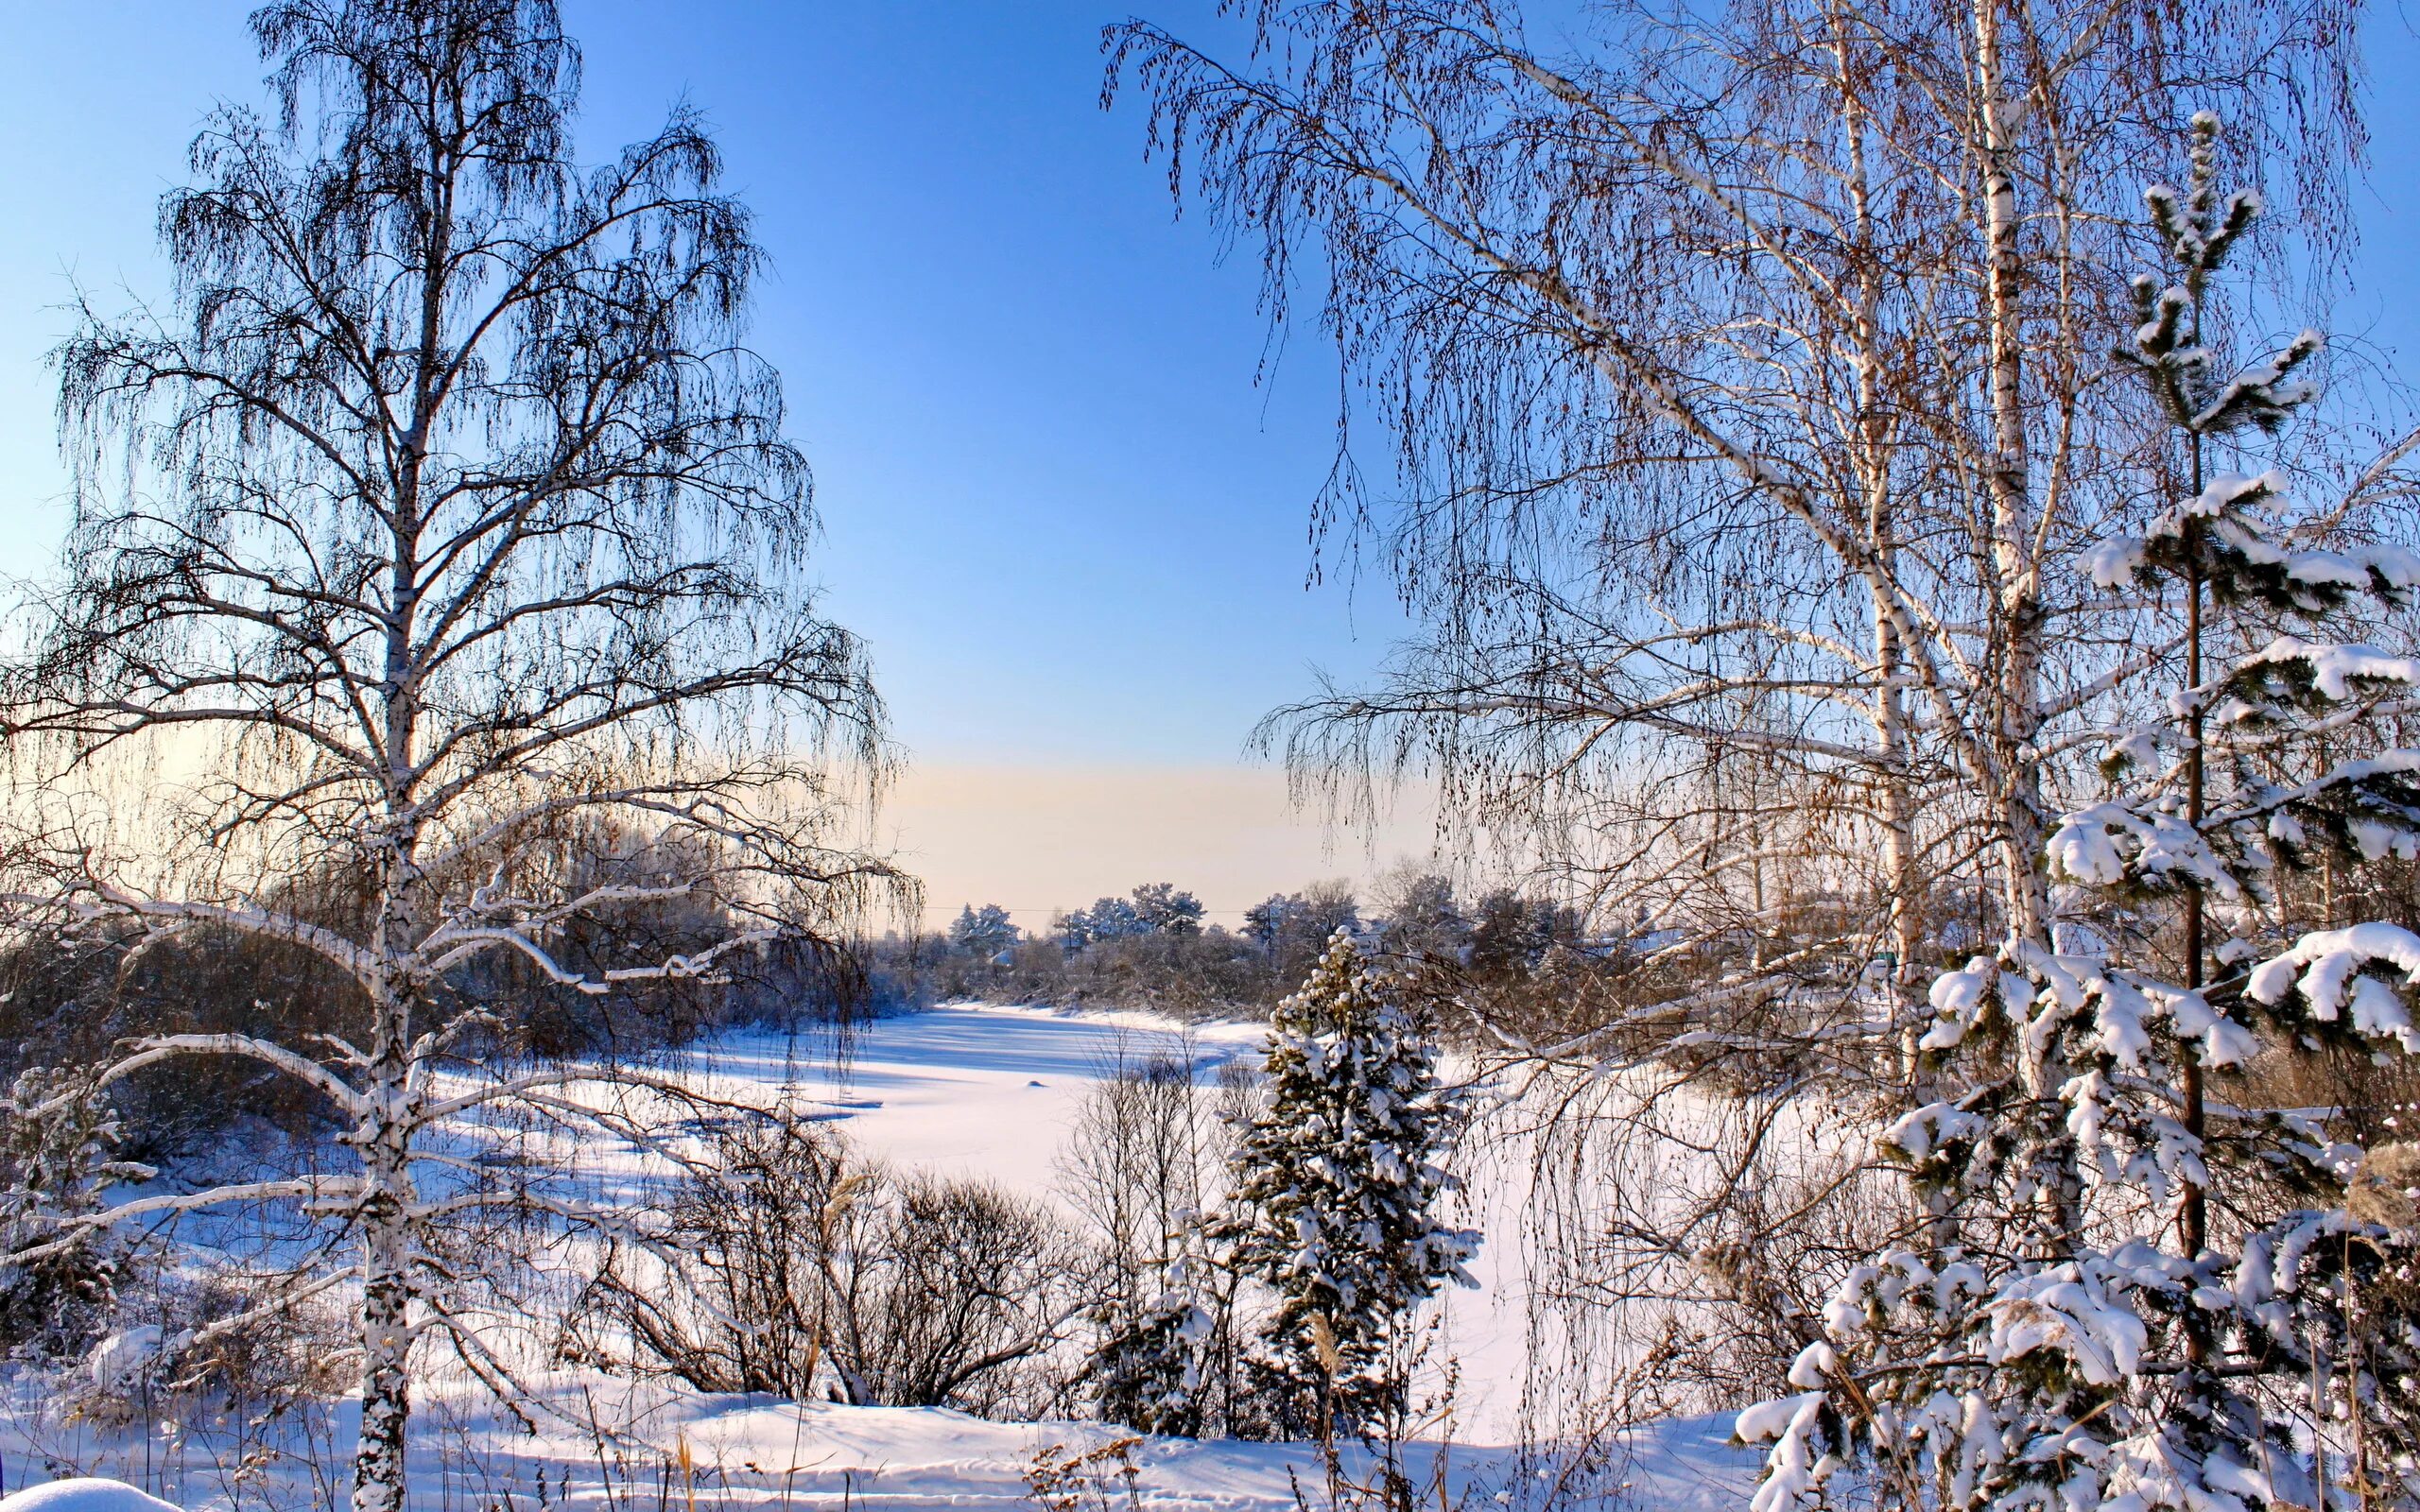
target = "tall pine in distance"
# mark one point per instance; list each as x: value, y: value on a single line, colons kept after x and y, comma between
x: 1333, y: 1206
x: 2135, y: 1277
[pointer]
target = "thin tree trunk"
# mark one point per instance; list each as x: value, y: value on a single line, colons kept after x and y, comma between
x: 1897, y: 802
x: 2013, y: 523
x: 2017, y: 593
x: 2193, y: 1216
x: 2193, y: 1222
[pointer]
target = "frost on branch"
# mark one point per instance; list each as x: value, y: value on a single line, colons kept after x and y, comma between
x: 58, y: 1135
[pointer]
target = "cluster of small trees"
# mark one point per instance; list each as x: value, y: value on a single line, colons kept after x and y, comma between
x: 1153, y: 909
x: 983, y: 933
x: 69, y: 998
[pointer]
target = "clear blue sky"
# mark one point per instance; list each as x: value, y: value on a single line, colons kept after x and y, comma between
x: 1071, y: 526
x: 1068, y: 522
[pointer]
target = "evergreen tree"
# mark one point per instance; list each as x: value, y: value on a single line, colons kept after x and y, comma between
x: 1164, y: 910
x: 1512, y: 934
x: 983, y: 933
x: 1263, y: 921
x: 1335, y: 1188
x: 1423, y: 918
x: 1108, y: 918
x: 1147, y: 1371
x: 2077, y: 1322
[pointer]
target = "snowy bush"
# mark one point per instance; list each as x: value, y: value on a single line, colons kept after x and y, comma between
x: 57, y: 1281
x: 214, y: 1345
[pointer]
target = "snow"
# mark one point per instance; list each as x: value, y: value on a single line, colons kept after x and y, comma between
x: 968, y: 1090
x: 1927, y: 1129
x: 84, y: 1493
x: 2335, y: 669
x: 2115, y: 563
x: 1771, y: 1420
x: 2325, y: 964
x: 120, y: 1357
x: 2106, y: 843
x: 2068, y: 1308
x: 761, y: 1452
x: 1958, y: 999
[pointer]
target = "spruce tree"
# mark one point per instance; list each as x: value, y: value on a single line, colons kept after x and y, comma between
x: 982, y: 933
x: 2076, y: 1318
x: 1147, y: 1371
x: 1334, y: 1197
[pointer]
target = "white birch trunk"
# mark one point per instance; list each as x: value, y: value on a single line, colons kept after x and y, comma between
x: 378, y: 1467
x: 2015, y: 527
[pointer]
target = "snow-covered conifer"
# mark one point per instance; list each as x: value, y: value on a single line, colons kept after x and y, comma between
x: 1162, y: 908
x: 1147, y: 1371
x: 982, y: 931
x: 1265, y: 920
x: 1334, y: 1199
x: 2128, y: 1283
x: 1107, y: 918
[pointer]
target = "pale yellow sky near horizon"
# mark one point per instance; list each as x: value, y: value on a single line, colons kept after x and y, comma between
x: 1035, y: 839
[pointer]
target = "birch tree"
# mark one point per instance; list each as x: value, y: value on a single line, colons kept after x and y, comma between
x: 1741, y: 372
x: 441, y: 520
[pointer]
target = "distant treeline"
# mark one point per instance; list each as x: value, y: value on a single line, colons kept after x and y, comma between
x: 66, y: 1001
x: 1153, y: 948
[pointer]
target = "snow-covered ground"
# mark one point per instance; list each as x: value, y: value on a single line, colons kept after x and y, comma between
x: 971, y: 1089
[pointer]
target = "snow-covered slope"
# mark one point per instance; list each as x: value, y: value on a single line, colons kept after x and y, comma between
x: 79, y: 1493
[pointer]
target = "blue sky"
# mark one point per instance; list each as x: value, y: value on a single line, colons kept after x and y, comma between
x: 1070, y: 525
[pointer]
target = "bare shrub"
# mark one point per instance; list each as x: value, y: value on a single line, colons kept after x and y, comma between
x: 1135, y: 1160
x: 760, y: 1223
x: 976, y: 1293
x: 1105, y: 1478
x: 804, y: 1270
